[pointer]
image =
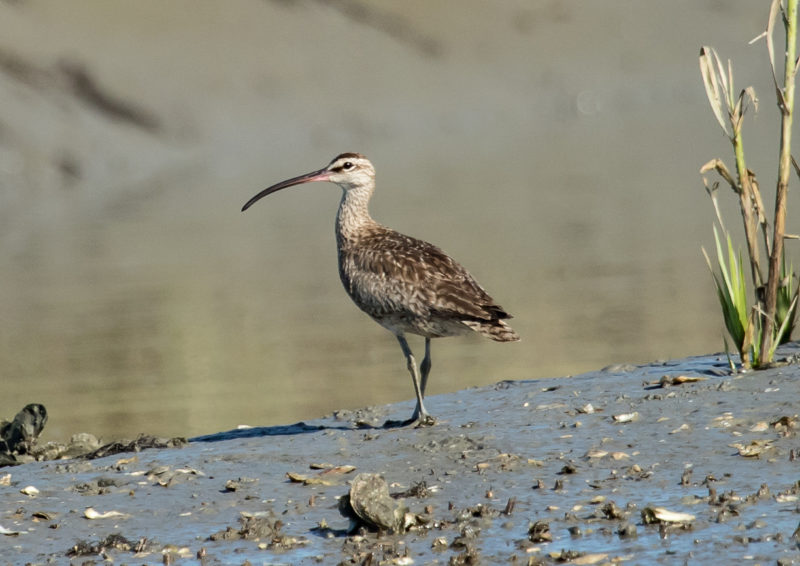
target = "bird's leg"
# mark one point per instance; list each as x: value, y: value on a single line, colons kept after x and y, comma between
x: 425, y: 367
x: 420, y: 414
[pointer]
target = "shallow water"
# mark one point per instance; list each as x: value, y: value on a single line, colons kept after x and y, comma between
x: 554, y: 156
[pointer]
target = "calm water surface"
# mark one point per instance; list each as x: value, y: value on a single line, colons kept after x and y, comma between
x: 561, y: 172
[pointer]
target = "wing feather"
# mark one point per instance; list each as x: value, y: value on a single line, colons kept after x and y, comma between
x: 388, y: 273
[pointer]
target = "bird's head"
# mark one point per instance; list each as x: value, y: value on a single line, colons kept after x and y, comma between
x: 348, y: 170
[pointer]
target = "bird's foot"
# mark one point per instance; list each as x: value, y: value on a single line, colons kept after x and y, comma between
x: 423, y: 421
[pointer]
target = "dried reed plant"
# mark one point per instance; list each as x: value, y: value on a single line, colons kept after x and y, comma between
x: 756, y: 330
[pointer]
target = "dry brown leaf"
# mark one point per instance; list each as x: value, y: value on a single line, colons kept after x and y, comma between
x: 309, y: 479
x: 328, y: 476
x: 340, y: 470
x: 713, y: 75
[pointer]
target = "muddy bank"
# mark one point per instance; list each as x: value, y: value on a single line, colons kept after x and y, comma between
x: 618, y: 465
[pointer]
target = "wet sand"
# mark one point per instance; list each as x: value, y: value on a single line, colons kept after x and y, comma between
x: 546, y: 471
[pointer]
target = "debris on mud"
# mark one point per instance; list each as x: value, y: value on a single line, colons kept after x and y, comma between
x: 671, y: 380
x: 540, y: 532
x: 755, y: 449
x: 625, y: 417
x: 369, y: 502
x: 786, y: 425
x: 143, y: 442
x: 329, y: 475
x: 18, y: 436
x: 113, y: 541
x: 360, y: 550
x: 30, y: 491
x: 238, y: 484
x: 92, y: 514
x: 418, y: 490
x: 262, y: 528
x: 18, y: 441
x: 367, y: 417
x: 660, y: 515
x: 166, y: 476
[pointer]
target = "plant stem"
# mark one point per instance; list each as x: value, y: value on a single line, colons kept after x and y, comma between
x: 745, y: 191
x: 784, y: 169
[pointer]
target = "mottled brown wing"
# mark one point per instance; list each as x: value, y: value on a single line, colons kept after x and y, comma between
x: 390, y: 273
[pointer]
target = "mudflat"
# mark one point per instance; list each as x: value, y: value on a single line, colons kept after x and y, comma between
x: 666, y: 463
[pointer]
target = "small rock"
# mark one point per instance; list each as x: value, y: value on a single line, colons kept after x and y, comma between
x: 370, y: 501
x: 625, y: 417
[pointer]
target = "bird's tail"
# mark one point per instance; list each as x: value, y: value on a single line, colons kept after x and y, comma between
x: 497, y: 330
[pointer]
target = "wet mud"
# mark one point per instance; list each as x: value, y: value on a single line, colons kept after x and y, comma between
x: 667, y: 463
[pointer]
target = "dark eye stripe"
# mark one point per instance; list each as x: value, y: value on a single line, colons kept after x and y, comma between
x: 346, y: 166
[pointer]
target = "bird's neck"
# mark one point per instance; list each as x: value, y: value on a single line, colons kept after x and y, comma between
x: 353, y: 216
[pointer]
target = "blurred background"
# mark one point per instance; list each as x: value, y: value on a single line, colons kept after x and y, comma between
x: 551, y: 147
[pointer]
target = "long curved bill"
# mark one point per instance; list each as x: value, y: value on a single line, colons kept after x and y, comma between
x: 321, y: 175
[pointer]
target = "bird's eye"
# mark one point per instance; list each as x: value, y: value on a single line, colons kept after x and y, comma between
x: 347, y: 165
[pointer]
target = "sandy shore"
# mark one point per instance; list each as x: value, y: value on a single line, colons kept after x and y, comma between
x: 574, y: 469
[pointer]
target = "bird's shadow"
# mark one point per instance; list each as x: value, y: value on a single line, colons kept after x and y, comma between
x: 293, y: 429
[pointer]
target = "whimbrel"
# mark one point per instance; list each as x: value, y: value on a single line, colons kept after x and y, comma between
x: 406, y: 285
